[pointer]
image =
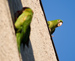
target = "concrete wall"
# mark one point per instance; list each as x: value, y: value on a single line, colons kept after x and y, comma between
x: 40, y: 45
x: 8, y: 45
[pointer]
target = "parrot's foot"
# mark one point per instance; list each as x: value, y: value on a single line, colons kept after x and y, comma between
x: 52, y: 36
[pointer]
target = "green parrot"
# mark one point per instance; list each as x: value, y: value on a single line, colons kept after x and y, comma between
x: 54, y: 24
x: 22, y: 26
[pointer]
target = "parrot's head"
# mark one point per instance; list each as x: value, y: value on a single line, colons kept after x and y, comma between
x: 27, y: 9
x: 59, y: 22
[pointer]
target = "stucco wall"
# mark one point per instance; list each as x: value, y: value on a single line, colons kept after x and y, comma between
x: 8, y: 47
x: 40, y: 45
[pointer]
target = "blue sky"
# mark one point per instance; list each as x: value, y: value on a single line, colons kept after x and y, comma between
x: 64, y: 36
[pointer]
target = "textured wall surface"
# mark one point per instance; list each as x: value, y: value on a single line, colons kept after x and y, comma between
x: 40, y: 45
x: 8, y: 46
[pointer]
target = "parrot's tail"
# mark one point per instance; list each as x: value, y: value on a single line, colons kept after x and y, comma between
x: 23, y: 47
x: 27, y: 44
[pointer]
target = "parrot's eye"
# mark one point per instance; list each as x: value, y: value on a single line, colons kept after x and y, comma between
x: 59, y: 24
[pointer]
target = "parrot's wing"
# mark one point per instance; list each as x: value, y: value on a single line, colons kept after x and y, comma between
x: 25, y: 38
x: 26, y: 31
x: 52, y: 31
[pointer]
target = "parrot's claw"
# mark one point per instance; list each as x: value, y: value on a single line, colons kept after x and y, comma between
x: 52, y: 36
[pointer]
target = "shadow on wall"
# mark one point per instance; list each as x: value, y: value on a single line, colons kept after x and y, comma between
x: 27, y: 53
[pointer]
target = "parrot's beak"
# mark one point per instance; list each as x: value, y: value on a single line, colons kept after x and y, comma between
x: 59, y: 24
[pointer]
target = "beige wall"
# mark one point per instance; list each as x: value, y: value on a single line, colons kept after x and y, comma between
x: 8, y: 47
